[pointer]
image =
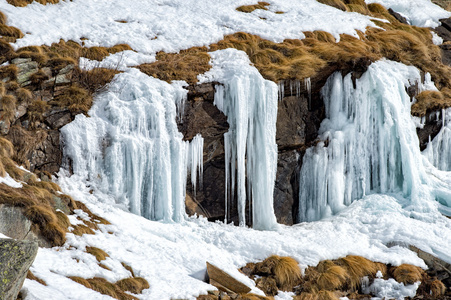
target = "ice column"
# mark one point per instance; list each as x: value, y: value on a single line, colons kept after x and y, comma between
x: 438, y: 150
x: 368, y: 142
x: 250, y: 104
x: 130, y: 146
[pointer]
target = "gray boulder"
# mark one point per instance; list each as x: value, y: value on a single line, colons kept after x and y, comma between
x: 16, y: 258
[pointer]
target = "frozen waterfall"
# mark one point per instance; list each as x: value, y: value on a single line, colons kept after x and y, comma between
x: 130, y: 146
x: 368, y: 144
x: 250, y: 104
x: 438, y: 151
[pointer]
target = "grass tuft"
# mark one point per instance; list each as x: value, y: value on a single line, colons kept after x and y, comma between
x: 31, y: 276
x: 438, y: 289
x: 408, y: 274
x: 134, y: 285
x: 99, y: 254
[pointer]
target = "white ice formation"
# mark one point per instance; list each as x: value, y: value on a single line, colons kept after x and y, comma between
x: 438, y: 150
x: 130, y: 146
x: 368, y: 145
x: 250, y: 104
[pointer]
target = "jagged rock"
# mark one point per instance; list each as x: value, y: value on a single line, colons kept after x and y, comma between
x: 398, y: 16
x: 430, y: 129
x: 26, y: 68
x: 47, y: 156
x: 224, y: 282
x: 16, y: 258
x: 58, y: 117
x: 14, y: 224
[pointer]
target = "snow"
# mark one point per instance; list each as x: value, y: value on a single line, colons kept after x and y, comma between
x: 171, y: 256
x: 8, y: 180
x: 172, y: 25
x: 388, y: 289
x: 250, y: 104
x: 421, y: 13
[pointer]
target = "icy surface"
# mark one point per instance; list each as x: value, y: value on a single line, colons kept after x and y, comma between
x: 250, y: 104
x: 130, y: 146
x: 368, y: 145
x: 438, y: 151
x: 421, y: 13
x: 172, y: 25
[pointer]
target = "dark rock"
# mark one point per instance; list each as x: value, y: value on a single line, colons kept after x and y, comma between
x: 430, y: 129
x: 444, y: 33
x: 446, y: 23
x: 16, y: 258
x: 47, y: 156
x: 398, y: 16
x: 58, y: 117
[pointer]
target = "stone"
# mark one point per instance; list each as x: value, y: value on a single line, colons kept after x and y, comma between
x: 446, y: 23
x: 16, y: 257
x: 14, y: 224
x: 398, y: 16
x: 268, y: 285
x: 25, y: 70
x: 58, y: 117
x: 224, y: 282
x: 67, y: 69
x: 18, y: 61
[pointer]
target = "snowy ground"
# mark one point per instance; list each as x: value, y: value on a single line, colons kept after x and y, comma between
x: 172, y: 256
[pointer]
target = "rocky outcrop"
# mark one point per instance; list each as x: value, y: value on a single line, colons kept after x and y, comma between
x: 16, y: 258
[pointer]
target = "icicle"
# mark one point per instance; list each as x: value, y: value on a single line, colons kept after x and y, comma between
x: 250, y: 104
x: 195, y: 160
x: 131, y: 148
x: 438, y: 151
x: 308, y: 87
x: 281, y: 86
x: 372, y: 143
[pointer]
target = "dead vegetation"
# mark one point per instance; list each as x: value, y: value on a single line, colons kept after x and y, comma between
x: 333, y: 279
x: 251, y: 8
x: 119, y: 290
x: 23, y: 3
x: 319, y: 51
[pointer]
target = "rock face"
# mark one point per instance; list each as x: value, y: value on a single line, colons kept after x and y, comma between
x: 16, y: 258
x: 299, y: 116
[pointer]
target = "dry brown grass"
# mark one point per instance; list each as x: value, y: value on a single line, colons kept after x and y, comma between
x: 428, y: 101
x: 357, y: 267
x: 128, y: 268
x: 76, y: 99
x: 31, y: 276
x: 8, y: 72
x: 185, y: 65
x: 36, y: 111
x: 62, y: 219
x: 408, y: 274
x: 10, y: 31
x: 334, y: 3
x: 438, y: 289
x: 94, y: 81
x: 26, y: 140
x: 40, y: 214
x: 104, y: 287
x: 23, y: 3
x: 24, y: 96
x: 8, y: 105
x: 287, y: 272
x: 134, y: 285
x: 254, y: 297
x: 251, y: 8
x: 6, y: 148
x: 82, y: 229
x: 98, y: 253
x: 54, y: 233
x: 333, y: 278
